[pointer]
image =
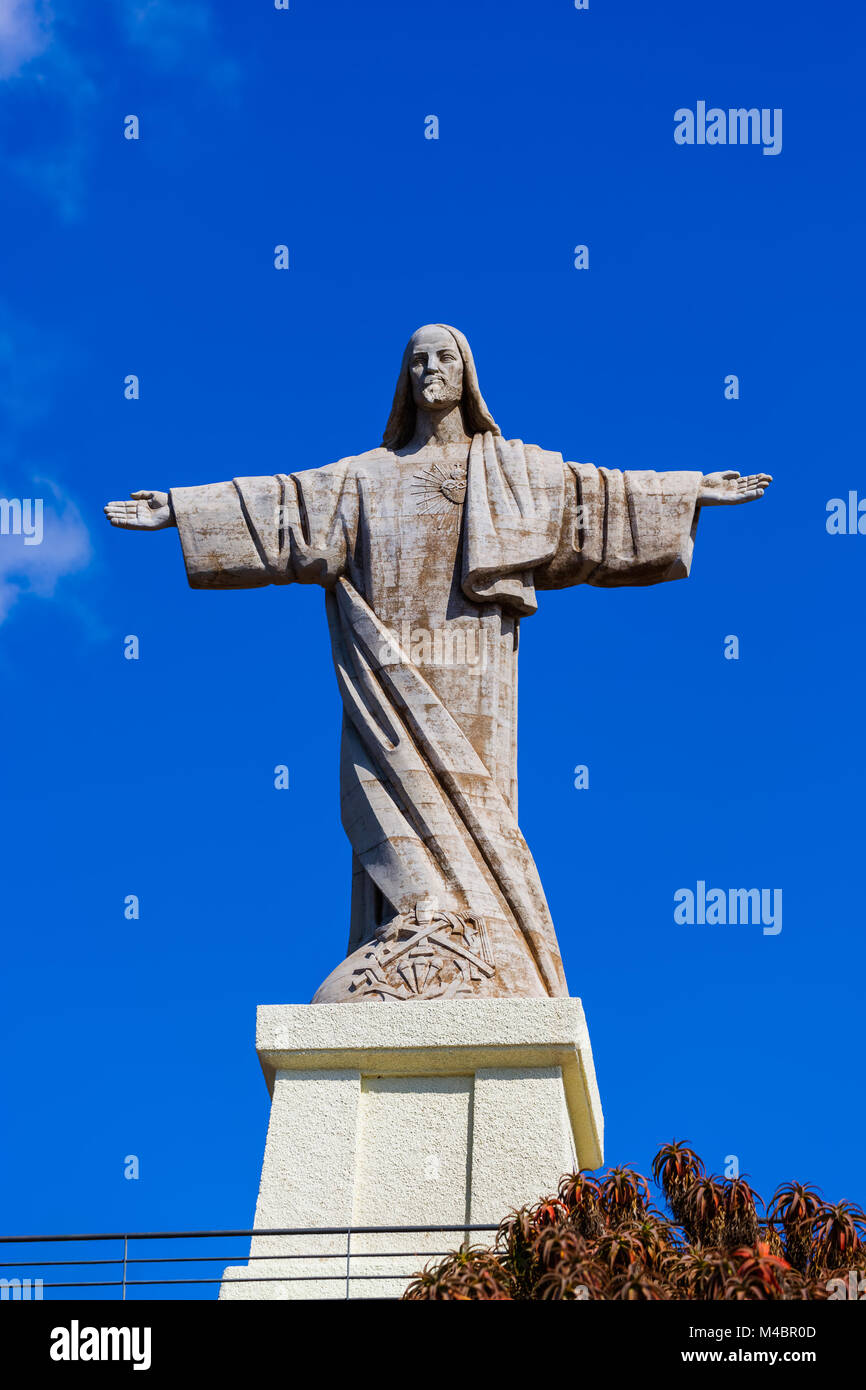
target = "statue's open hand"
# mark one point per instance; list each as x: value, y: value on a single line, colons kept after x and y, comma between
x: 148, y: 511
x: 729, y: 489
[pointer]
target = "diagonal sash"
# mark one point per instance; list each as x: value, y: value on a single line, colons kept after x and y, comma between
x: 441, y: 784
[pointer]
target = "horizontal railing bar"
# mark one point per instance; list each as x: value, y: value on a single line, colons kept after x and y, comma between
x: 238, y: 1255
x: 46, y: 1264
x: 399, y: 1275
x: 88, y: 1284
x: 262, y: 1231
x: 256, y: 1279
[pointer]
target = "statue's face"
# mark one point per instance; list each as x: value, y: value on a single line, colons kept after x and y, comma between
x: 435, y: 368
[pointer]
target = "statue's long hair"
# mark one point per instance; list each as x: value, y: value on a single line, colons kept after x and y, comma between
x: 476, y: 417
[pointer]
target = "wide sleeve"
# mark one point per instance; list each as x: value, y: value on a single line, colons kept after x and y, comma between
x: 628, y: 528
x: 282, y: 529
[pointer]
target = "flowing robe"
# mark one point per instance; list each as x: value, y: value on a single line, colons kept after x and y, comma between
x: 426, y: 578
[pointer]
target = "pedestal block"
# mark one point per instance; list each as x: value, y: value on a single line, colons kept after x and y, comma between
x: 416, y: 1114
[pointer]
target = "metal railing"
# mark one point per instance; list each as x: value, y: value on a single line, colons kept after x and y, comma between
x: 123, y: 1261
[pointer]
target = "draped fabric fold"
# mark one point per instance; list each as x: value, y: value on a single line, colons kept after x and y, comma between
x: 443, y: 878
x: 475, y: 849
x: 514, y: 504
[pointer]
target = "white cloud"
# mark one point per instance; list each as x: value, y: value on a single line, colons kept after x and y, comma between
x: 64, y: 549
x: 25, y: 32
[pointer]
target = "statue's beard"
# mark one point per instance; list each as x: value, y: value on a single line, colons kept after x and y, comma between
x: 438, y: 393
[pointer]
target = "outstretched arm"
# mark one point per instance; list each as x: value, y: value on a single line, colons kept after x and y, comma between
x: 636, y: 527
x: 229, y: 531
x: 275, y: 529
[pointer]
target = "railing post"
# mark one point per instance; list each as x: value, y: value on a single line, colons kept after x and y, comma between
x: 348, y: 1258
x: 125, y: 1249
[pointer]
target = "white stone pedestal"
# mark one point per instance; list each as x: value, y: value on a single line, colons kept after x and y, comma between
x: 410, y: 1114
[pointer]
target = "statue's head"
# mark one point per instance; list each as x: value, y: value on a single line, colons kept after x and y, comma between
x: 437, y: 372
x: 435, y: 367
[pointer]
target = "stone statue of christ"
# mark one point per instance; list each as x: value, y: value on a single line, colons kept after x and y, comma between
x: 430, y: 550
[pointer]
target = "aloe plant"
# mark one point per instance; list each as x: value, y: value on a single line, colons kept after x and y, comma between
x: 599, y: 1237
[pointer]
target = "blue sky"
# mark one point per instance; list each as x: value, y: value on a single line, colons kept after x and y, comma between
x: 155, y: 777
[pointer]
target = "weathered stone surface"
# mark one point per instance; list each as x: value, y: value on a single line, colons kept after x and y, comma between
x: 431, y: 550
